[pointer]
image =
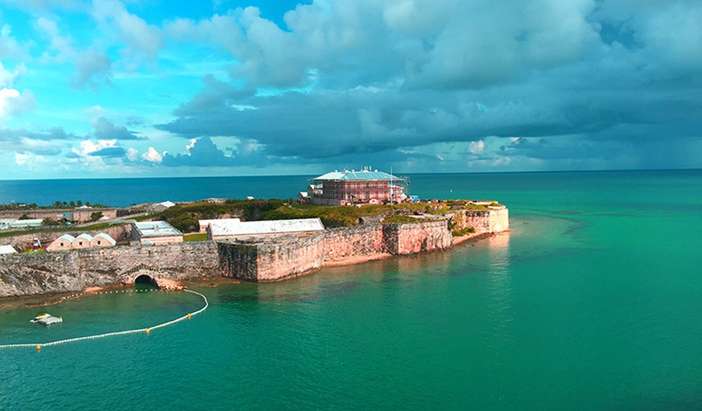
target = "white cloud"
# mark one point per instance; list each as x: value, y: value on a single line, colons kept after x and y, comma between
x: 139, y: 36
x: 61, y: 45
x: 152, y: 156
x: 9, y: 47
x: 13, y: 102
x: 132, y: 154
x: 476, y: 147
x: 87, y: 147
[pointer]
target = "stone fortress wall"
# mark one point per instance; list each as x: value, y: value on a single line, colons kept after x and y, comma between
x: 277, y: 259
x: 69, y: 271
x: 251, y: 260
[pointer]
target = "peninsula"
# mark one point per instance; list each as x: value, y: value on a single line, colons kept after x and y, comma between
x: 345, y: 217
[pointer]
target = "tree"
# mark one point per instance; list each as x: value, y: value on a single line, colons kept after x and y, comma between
x: 50, y: 221
x: 96, y: 216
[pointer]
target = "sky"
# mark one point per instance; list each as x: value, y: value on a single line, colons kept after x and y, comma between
x: 139, y: 88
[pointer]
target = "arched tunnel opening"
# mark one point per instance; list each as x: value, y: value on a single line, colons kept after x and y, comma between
x: 145, y: 281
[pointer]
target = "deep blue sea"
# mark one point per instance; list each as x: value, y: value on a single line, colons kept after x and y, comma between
x: 592, y: 302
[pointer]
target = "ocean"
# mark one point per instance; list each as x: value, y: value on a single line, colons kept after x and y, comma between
x: 591, y: 302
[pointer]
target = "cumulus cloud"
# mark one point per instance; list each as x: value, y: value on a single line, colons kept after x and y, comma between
x: 105, y: 130
x: 203, y: 152
x: 92, y: 66
x: 416, y: 81
x: 9, y: 46
x: 374, y: 77
x: 152, y: 156
x: 141, y: 38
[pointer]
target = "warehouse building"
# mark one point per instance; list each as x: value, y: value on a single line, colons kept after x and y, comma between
x: 156, y: 233
x: 222, y: 229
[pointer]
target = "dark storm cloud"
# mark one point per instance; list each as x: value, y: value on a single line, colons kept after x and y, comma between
x: 382, y: 77
x: 105, y: 130
x: 109, y: 152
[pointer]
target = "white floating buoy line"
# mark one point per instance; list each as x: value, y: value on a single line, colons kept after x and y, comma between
x: 148, y: 330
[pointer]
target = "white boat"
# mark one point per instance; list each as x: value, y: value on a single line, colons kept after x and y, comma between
x: 46, y: 319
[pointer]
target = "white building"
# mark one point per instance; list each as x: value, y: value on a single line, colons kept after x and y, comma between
x: 205, y: 223
x: 14, y: 224
x: 156, y: 232
x: 65, y: 242
x: 103, y: 240
x: 7, y: 249
x: 83, y: 241
x: 229, y: 230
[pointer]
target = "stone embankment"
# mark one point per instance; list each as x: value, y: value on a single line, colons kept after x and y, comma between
x: 277, y: 259
x: 42, y: 273
x: 265, y: 260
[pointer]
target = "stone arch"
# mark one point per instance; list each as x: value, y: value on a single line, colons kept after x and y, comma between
x: 145, y: 279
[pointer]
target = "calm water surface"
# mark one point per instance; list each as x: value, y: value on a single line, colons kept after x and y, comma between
x: 592, y: 302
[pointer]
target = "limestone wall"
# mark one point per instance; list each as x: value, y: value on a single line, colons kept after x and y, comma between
x: 363, y: 240
x: 494, y: 220
x: 279, y: 258
x: 402, y: 239
x: 271, y: 259
x: 40, y: 273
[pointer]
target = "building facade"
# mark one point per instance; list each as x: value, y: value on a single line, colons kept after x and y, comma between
x: 228, y: 229
x: 156, y: 233
x: 357, y: 187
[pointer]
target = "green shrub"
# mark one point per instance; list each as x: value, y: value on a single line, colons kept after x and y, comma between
x: 460, y: 232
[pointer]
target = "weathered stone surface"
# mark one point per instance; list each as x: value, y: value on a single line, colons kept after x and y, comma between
x: 362, y: 240
x: 40, y: 273
x: 273, y: 259
x: 279, y: 258
x: 494, y: 220
x: 402, y: 239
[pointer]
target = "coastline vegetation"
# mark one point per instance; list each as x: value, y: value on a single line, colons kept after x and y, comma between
x: 54, y: 205
x: 185, y: 217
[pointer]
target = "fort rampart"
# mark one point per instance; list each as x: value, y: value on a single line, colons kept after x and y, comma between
x: 262, y: 260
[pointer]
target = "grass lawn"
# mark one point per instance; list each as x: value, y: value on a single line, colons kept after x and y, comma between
x: 194, y: 237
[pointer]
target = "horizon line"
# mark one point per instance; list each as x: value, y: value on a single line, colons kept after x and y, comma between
x: 397, y: 173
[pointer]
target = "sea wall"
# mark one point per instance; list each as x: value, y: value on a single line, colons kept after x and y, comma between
x: 270, y: 260
x: 278, y: 258
x: 494, y: 220
x: 403, y: 239
x: 41, y: 273
x: 120, y: 232
x: 362, y: 240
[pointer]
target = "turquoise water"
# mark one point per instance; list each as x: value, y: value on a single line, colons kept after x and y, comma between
x: 592, y: 302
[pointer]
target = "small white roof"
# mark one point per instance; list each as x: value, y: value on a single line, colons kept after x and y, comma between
x: 156, y: 229
x: 33, y: 221
x: 266, y: 227
x: 7, y: 249
x: 85, y: 236
x: 167, y: 204
x: 66, y: 237
x: 105, y: 237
